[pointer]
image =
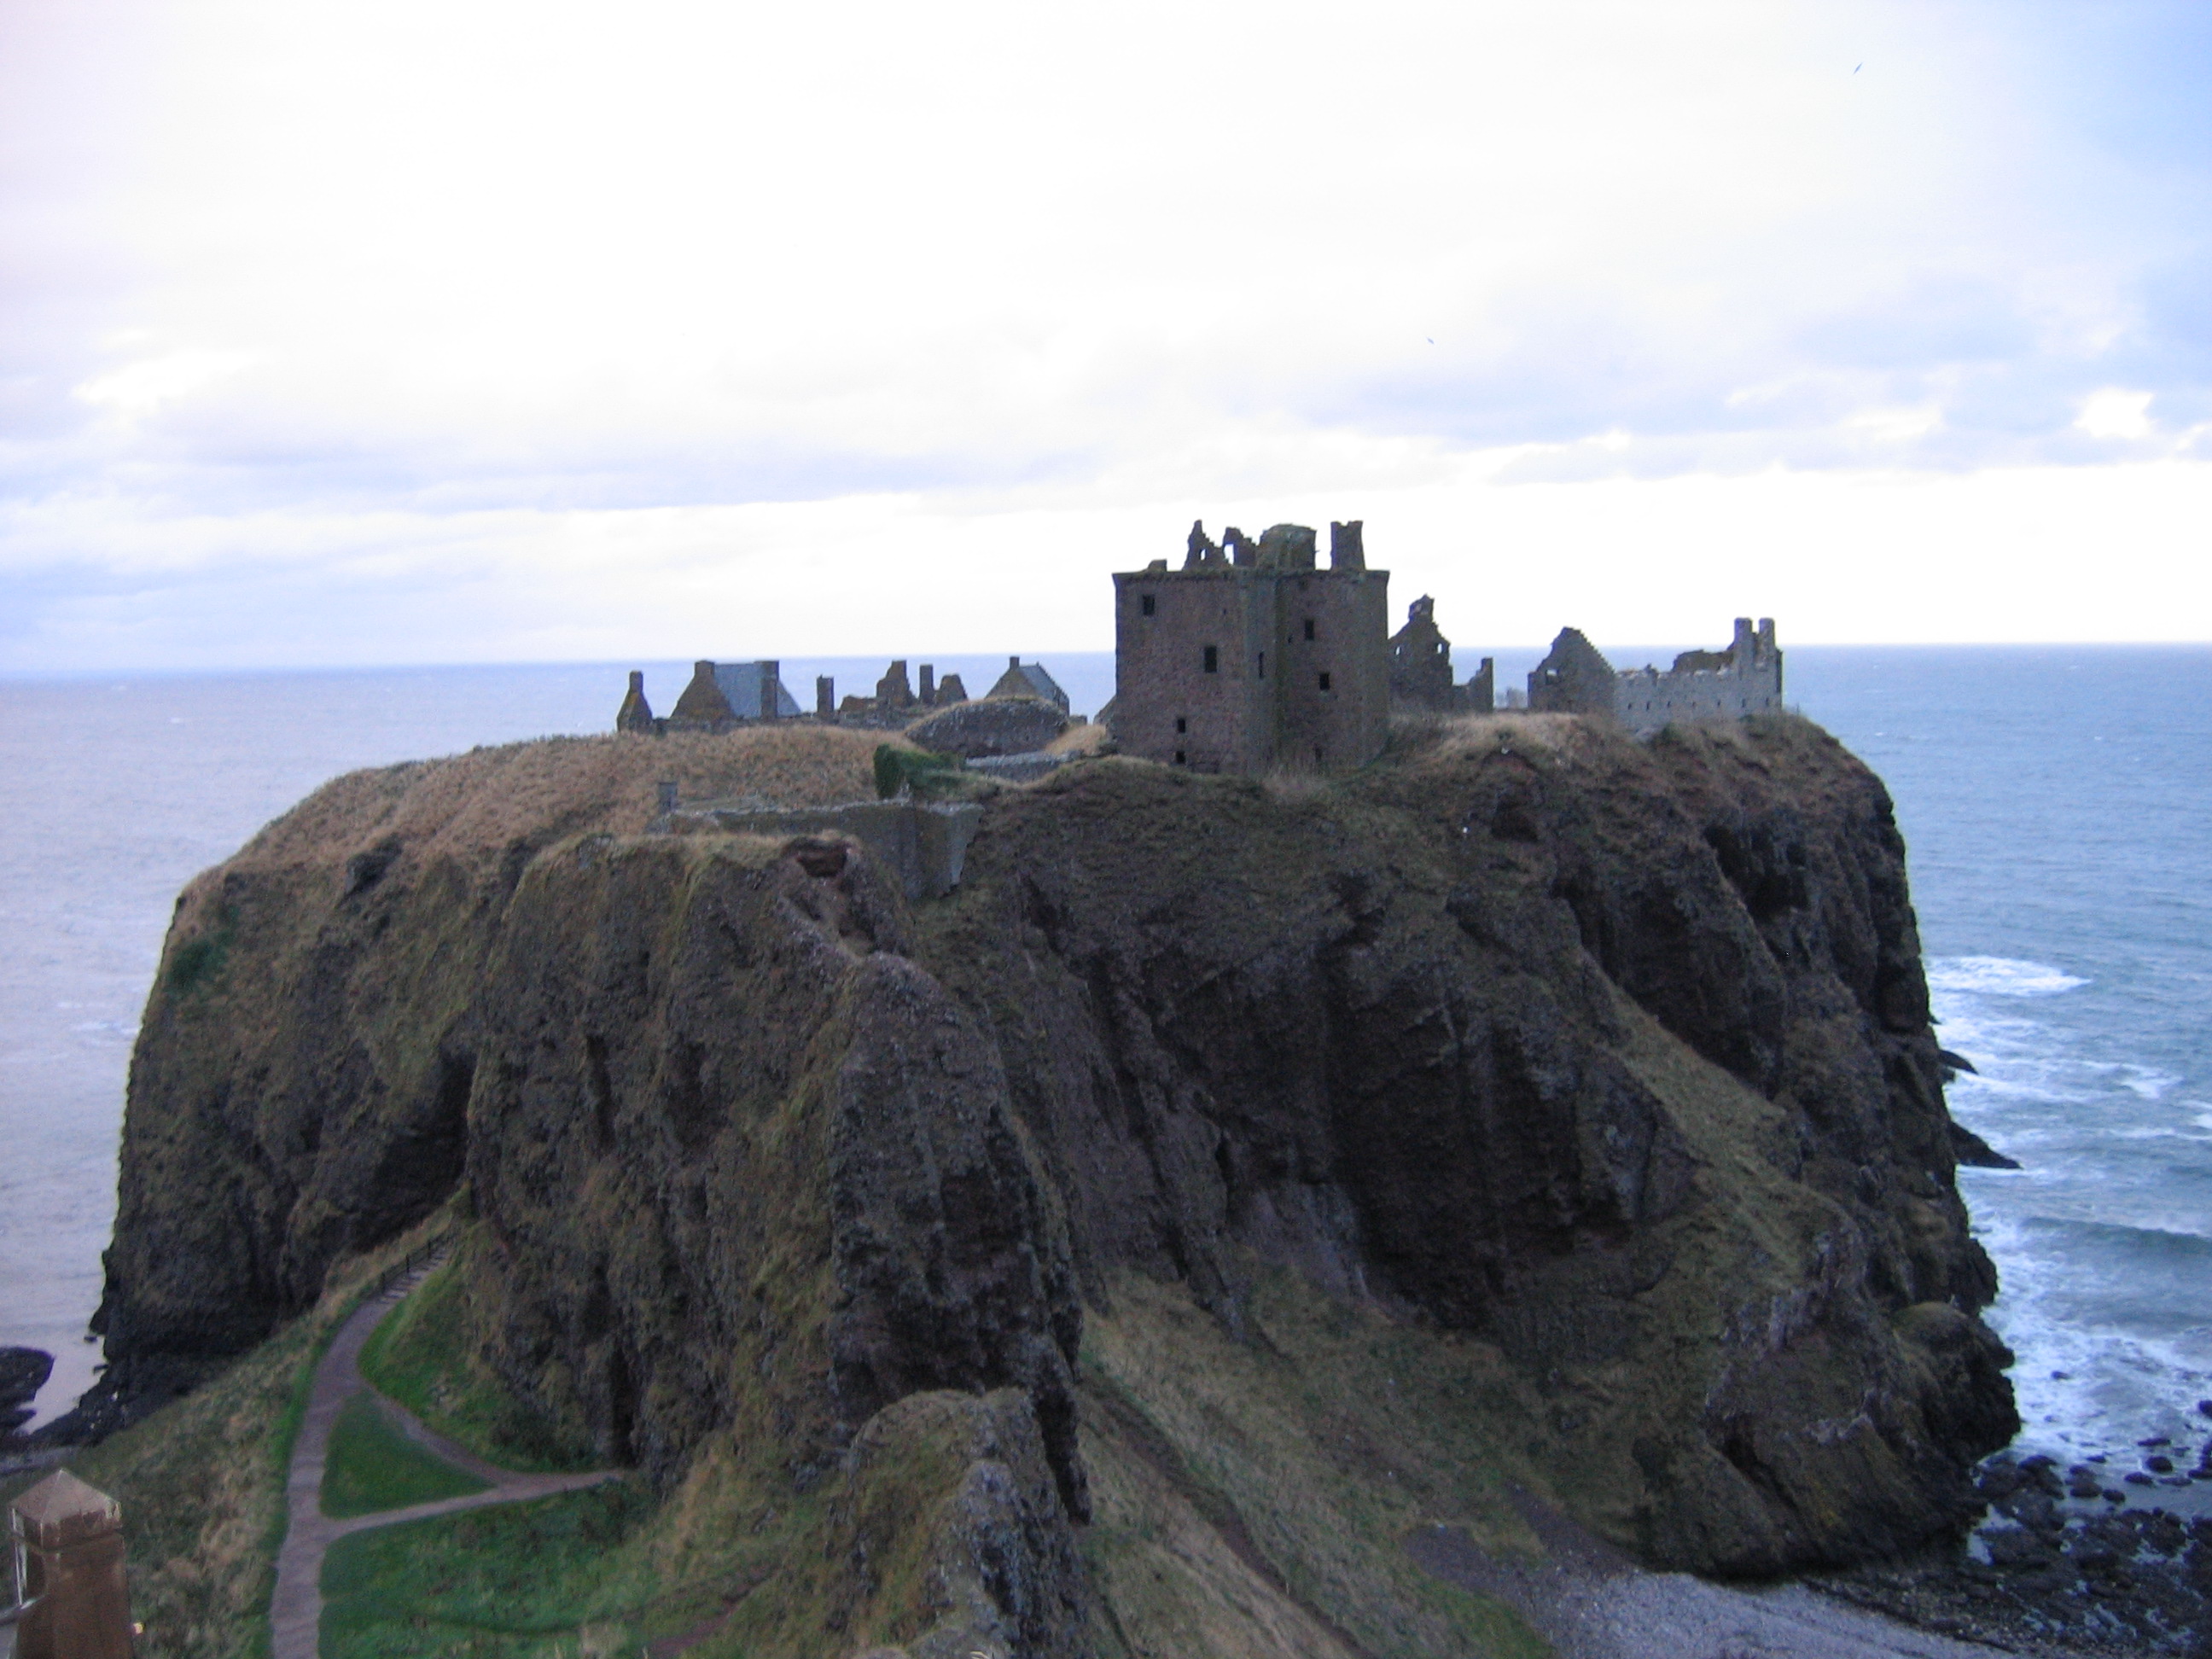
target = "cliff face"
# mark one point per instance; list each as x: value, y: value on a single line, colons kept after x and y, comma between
x: 1607, y: 1064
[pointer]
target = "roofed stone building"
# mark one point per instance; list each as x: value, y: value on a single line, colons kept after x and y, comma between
x: 1249, y: 657
x: 723, y: 695
x: 1023, y: 679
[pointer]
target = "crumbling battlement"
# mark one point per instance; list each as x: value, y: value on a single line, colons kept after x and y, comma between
x: 1249, y: 657
x: 1746, y: 678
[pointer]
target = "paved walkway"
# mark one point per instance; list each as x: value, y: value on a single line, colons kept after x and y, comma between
x: 296, y: 1611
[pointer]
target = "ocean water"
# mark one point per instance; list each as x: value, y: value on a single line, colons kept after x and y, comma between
x: 2056, y: 801
x: 2057, y: 807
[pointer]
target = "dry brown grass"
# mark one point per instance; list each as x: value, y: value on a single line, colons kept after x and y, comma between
x: 1294, y: 785
x: 1085, y: 739
x: 554, y: 787
x: 1457, y: 736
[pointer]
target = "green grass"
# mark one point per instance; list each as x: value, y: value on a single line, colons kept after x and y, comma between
x: 509, y: 1581
x: 421, y: 1356
x: 201, y: 1485
x: 372, y: 1466
x: 198, y: 961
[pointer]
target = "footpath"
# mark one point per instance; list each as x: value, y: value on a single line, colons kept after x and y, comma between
x: 295, y: 1612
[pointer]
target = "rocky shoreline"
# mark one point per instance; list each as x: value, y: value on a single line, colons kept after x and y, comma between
x: 2086, y: 1559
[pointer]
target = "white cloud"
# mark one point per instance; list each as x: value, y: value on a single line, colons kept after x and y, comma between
x: 2113, y: 413
x: 137, y: 388
x: 369, y: 286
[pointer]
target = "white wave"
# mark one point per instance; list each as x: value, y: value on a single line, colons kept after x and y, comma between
x: 1968, y: 1088
x: 2147, y: 1081
x: 1998, y: 976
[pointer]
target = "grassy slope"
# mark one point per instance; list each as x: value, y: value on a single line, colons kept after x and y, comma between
x: 1253, y: 1497
x: 372, y: 1466
x: 414, y: 1359
x: 512, y: 1580
x: 201, y: 1485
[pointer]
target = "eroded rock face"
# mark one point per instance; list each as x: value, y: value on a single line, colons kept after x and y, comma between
x: 741, y: 1153
x: 1001, y: 1573
x: 1613, y: 1057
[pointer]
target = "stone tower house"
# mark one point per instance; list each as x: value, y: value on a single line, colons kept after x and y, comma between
x: 1249, y: 657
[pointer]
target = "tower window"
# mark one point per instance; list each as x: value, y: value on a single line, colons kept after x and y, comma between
x: 1146, y: 604
x: 1182, y: 725
x: 1309, y: 627
x: 1178, y: 758
x: 1212, y: 659
x: 1263, y: 664
x: 1324, y: 682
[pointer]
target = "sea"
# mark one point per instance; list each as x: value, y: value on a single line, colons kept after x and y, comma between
x: 2055, y: 800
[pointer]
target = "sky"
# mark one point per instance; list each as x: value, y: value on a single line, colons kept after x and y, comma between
x: 478, y: 332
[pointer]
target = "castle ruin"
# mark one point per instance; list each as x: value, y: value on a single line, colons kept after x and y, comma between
x: 1746, y: 678
x: 722, y: 695
x: 1250, y: 658
x: 1421, y: 668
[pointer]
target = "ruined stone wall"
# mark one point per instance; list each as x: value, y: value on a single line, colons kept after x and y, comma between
x: 1646, y: 701
x: 1574, y: 678
x: 1746, y: 678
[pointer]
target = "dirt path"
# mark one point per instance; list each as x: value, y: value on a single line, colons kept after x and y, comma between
x: 1592, y: 1603
x: 296, y: 1611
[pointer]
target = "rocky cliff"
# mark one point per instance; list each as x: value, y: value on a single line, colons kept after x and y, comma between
x: 1597, y: 1075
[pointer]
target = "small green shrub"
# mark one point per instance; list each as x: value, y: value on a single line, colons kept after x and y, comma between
x: 198, y: 961
x: 916, y: 769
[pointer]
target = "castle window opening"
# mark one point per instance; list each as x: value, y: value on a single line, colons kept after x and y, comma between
x: 1146, y: 604
x: 1182, y: 724
x: 1178, y: 758
x: 1212, y: 659
x: 1324, y: 682
x: 1309, y: 627
x: 1263, y: 664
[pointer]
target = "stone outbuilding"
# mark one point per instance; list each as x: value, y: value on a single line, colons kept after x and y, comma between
x: 727, y: 694
x: 1023, y: 679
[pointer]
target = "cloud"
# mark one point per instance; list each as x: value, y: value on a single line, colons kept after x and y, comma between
x: 390, y: 273
x: 2113, y: 413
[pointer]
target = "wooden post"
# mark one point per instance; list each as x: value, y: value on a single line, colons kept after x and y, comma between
x: 67, y: 1539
